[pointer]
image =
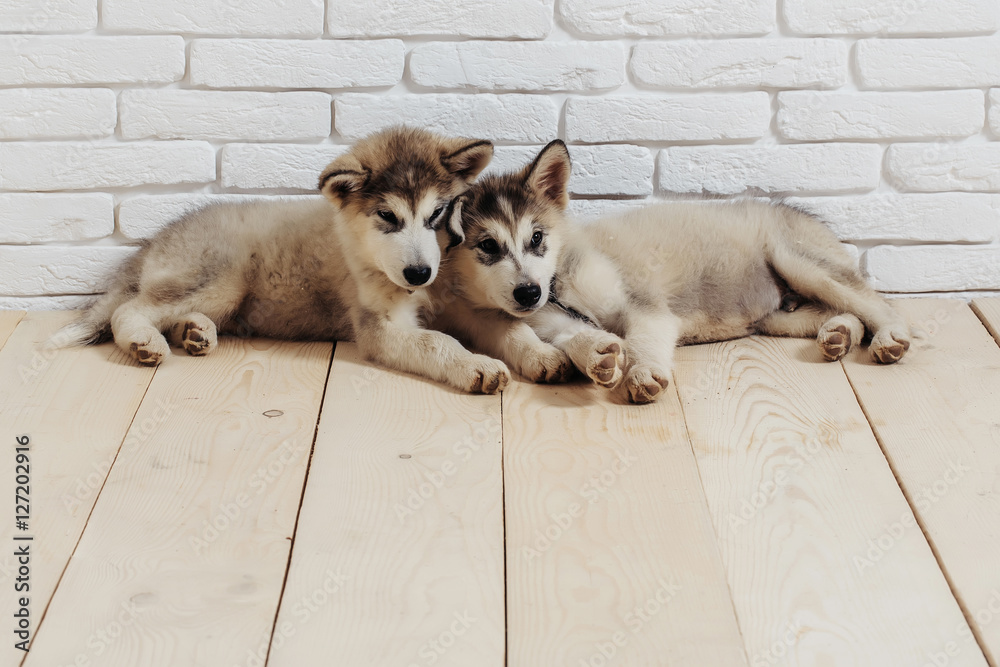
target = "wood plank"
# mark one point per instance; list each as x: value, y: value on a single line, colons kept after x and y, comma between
x: 398, y: 556
x: 75, y: 405
x: 611, y: 553
x: 825, y: 561
x: 8, y: 322
x: 988, y: 311
x: 937, y: 416
x: 183, y: 558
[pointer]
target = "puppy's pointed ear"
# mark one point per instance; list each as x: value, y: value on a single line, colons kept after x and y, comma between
x: 468, y: 159
x: 548, y: 175
x: 342, y: 177
x: 456, y: 235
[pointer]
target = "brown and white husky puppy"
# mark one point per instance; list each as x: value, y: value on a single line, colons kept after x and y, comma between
x: 619, y: 294
x: 352, y: 266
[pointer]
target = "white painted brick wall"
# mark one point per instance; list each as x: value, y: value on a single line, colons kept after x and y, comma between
x: 224, y: 115
x: 880, y: 116
x: 741, y: 63
x: 811, y: 116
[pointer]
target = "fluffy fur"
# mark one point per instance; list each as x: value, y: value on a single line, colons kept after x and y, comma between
x: 628, y: 289
x: 353, y: 266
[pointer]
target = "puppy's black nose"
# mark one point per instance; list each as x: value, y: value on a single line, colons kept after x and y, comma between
x: 527, y: 295
x: 417, y: 275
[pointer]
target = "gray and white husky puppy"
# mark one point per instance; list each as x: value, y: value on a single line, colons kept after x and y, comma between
x: 354, y: 265
x: 617, y: 295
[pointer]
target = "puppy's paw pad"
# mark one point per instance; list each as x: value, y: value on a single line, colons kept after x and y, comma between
x: 196, y: 334
x: 488, y: 376
x: 150, y: 353
x: 889, y: 346
x: 644, y: 385
x: 606, y: 363
x: 835, y: 342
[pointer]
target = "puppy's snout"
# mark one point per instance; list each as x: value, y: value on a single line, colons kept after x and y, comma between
x: 527, y: 295
x: 417, y: 275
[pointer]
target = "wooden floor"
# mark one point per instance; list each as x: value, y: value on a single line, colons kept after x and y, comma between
x: 282, y: 504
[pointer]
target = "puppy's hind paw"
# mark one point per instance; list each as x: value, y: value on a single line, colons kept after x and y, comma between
x: 838, y: 335
x: 150, y: 353
x: 195, y: 333
x: 889, y: 345
x: 485, y: 376
x: 645, y: 384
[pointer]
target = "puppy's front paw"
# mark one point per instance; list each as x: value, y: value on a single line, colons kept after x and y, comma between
x: 546, y: 364
x: 644, y: 384
x: 606, y: 361
x: 889, y: 345
x: 484, y: 375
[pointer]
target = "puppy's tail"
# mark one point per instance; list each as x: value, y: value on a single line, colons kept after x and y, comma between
x: 92, y: 326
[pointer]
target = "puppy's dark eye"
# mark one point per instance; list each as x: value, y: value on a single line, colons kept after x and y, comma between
x: 489, y: 246
x: 388, y: 216
x: 437, y: 212
x: 536, y: 239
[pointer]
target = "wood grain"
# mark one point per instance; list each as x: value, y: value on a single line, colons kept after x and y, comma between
x: 183, y: 558
x: 8, y: 322
x: 611, y: 554
x: 825, y: 562
x: 988, y: 311
x: 398, y: 556
x: 75, y: 405
x: 937, y: 415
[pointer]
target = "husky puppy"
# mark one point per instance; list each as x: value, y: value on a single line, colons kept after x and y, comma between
x: 353, y: 266
x: 619, y: 294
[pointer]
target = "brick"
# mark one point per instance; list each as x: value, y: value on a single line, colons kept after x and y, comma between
x: 268, y: 166
x: 596, y: 170
x: 224, y: 115
x: 961, y: 62
x: 676, y: 118
x: 142, y: 217
x: 65, y: 302
x: 642, y: 18
x: 934, y: 268
x: 829, y: 168
x: 520, y: 19
x: 995, y: 112
x: 57, y: 113
x: 42, y: 218
x: 287, y: 63
x: 298, y: 18
x: 40, y: 270
x: 741, y: 63
x: 512, y: 118
x: 55, y: 59
x: 941, y: 167
x: 811, y: 116
x: 876, y: 17
x: 933, y: 218
x: 48, y: 16
x: 519, y: 65
x: 48, y: 166
x: 592, y: 209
